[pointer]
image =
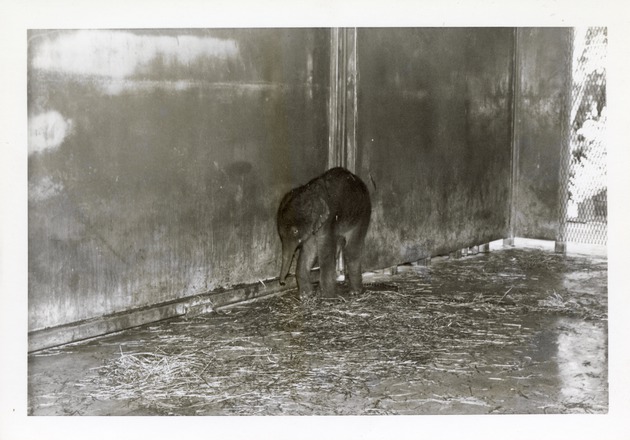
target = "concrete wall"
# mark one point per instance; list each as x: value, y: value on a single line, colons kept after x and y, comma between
x: 434, y: 133
x: 541, y: 128
x: 157, y: 160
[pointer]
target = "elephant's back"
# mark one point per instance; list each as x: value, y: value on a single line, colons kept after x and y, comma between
x: 348, y: 193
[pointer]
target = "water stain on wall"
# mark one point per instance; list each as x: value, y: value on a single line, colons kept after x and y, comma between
x: 434, y: 134
x: 181, y: 145
x: 47, y: 130
x: 158, y: 157
x: 121, y: 54
x: 543, y: 108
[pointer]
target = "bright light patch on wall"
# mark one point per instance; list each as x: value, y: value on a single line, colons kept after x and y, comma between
x: 44, y: 189
x: 119, y: 54
x: 47, y: 130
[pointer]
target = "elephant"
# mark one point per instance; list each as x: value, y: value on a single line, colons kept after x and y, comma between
x: 317, y: 220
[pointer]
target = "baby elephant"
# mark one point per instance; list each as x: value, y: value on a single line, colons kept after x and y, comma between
x: 328, y: 214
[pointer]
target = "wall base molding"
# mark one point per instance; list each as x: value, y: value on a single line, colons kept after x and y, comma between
x: 189, y: 306
x: 213, y: 301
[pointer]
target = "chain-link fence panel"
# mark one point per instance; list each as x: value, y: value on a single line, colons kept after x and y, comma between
x: 586, y: 199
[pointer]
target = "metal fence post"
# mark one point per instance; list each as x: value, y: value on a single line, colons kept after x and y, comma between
x: 565, y: 154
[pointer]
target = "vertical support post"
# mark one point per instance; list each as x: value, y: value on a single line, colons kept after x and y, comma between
x: 515, y: 128
x: 565, y: 150
x: 342, y: 102
x: 351, y: 99
x: 333, y: 101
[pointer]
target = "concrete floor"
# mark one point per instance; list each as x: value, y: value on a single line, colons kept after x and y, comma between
x: 514, y: 331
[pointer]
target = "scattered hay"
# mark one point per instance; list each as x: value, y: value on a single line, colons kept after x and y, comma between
x: 309, y: 356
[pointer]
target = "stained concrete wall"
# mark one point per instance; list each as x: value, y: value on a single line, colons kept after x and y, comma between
x: 157, y: 160
x: 541, y: 127
x: 434, y: 135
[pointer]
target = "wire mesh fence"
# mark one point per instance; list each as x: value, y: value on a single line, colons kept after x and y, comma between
x: 586, y: 199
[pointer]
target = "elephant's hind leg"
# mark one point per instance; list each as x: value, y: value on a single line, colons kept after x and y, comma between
x: 352, y: 257
x: 326, y: 254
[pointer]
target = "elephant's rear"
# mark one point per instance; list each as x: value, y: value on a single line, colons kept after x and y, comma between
x: 353, y: 212
x: 350, y: 196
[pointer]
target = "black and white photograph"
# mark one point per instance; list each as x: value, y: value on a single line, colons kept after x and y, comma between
x: 320, y: 220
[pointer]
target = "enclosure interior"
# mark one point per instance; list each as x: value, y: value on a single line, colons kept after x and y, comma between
x: 157, y: 158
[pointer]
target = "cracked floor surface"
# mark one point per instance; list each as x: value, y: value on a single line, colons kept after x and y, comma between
x: 513, y: 331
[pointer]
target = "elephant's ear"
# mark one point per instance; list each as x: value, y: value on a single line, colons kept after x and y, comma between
x: 320, y: 213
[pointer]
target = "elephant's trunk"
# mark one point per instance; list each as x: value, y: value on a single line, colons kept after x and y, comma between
x: 287, y: 257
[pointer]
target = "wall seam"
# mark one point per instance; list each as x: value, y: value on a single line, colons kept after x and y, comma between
x: 515, y: 128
